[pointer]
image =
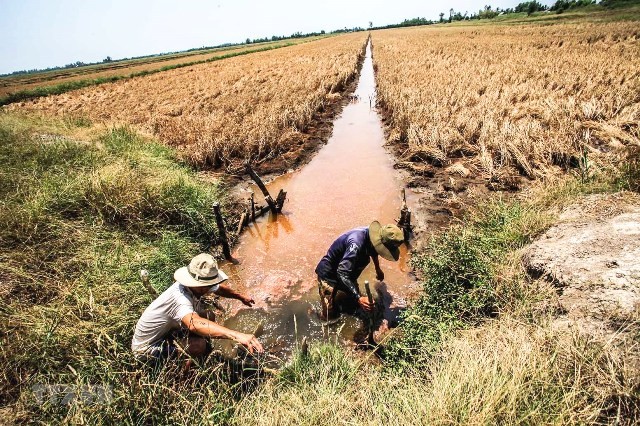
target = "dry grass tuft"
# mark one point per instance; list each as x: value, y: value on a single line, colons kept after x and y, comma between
x: 505, y: 372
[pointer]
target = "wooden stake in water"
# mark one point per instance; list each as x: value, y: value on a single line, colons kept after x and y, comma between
x: 253, y: 207
x: 370, y: 297
x: 263, y: 188
x: 404, y: 222
x: 241, y: 222
x: 221, y: 232
x: 282, y: 195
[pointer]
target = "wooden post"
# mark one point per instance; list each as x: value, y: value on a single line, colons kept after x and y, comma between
x: 144, y: 276
x: 243, y: 219
x: 221, y: 231
x: 265, y: 192
x: 253, y: 207
x: 370, y: 339
x: 405, y: 217
x: 282, y: 195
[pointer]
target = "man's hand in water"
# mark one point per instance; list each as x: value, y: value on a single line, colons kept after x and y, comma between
x: 248, y: 301
x: 364, y: 304
x: 250, y: 342
x: 225, y: 291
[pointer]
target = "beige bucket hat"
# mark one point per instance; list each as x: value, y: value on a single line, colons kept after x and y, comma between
x: 202, y: 272
x: 386, y: 240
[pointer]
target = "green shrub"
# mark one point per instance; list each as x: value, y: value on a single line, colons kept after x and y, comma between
x: 629, y: 175
x: 458, y: 270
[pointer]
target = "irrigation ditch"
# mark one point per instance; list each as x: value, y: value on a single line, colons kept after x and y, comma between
x: 349, y: 182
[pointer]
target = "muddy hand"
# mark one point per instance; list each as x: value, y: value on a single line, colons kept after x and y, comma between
x: 364, y: 304
x: 250, y: 342
x: 248, y: 301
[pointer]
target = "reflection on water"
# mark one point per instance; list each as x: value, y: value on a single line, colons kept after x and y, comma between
x: 270, y: 229
x: 349, y: 183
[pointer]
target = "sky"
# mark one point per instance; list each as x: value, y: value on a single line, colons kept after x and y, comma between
x: 46, y: 33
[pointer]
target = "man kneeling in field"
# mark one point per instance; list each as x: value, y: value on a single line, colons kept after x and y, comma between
x: 175, y: 316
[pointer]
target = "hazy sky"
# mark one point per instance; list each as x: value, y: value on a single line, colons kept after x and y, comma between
x: 44, y: 33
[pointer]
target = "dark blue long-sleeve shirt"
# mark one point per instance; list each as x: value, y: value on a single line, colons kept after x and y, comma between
x: 347, y: 257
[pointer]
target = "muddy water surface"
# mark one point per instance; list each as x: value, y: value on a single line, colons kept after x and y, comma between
x: 349, y: 183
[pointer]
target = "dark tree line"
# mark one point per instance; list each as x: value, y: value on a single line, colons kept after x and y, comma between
x: 277, y: 38
x: 488, y: 12
x: 528, y: 7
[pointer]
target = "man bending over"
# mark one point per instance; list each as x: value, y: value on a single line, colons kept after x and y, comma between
x: 350, y: 253
x: 177, y: 317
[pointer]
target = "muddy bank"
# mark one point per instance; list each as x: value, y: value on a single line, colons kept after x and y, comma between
x: 306, y: 143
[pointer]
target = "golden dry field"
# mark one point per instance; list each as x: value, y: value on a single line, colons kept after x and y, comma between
x: 509, y: 101
x: 11, y: 84
x: 248, y: 107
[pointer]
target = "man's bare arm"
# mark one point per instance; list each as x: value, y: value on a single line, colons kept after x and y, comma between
x: 203, y: 327
x: 225, y: 291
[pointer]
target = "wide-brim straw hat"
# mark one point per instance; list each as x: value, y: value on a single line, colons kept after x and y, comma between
x: 202, y: 272
x: 386, y: 240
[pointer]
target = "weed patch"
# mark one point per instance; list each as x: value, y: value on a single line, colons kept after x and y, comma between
x: 77, y: 223
x: 629, y: 174
x: 458, y: 269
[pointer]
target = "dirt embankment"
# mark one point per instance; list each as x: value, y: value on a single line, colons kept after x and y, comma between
x: 307, y: 145
x: 317, y: 133
x: 592, y: 256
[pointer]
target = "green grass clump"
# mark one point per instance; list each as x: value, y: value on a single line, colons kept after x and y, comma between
x: 458, y: 269
x: 327, y: 367
x: 78, y: 220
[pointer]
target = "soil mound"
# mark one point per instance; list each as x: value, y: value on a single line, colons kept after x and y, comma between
x: 592, y: 255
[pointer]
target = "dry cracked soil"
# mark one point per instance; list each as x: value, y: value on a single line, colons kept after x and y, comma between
x: 592, y: 257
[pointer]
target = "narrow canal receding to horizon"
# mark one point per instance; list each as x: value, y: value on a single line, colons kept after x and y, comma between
x: 349, y: 183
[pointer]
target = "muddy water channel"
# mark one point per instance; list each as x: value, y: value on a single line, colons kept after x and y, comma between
x: 349, y: 183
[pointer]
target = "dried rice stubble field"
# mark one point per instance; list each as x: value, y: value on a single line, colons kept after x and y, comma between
x: 253, y: 107
x: 124, y: 68
x: 506, y: 103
